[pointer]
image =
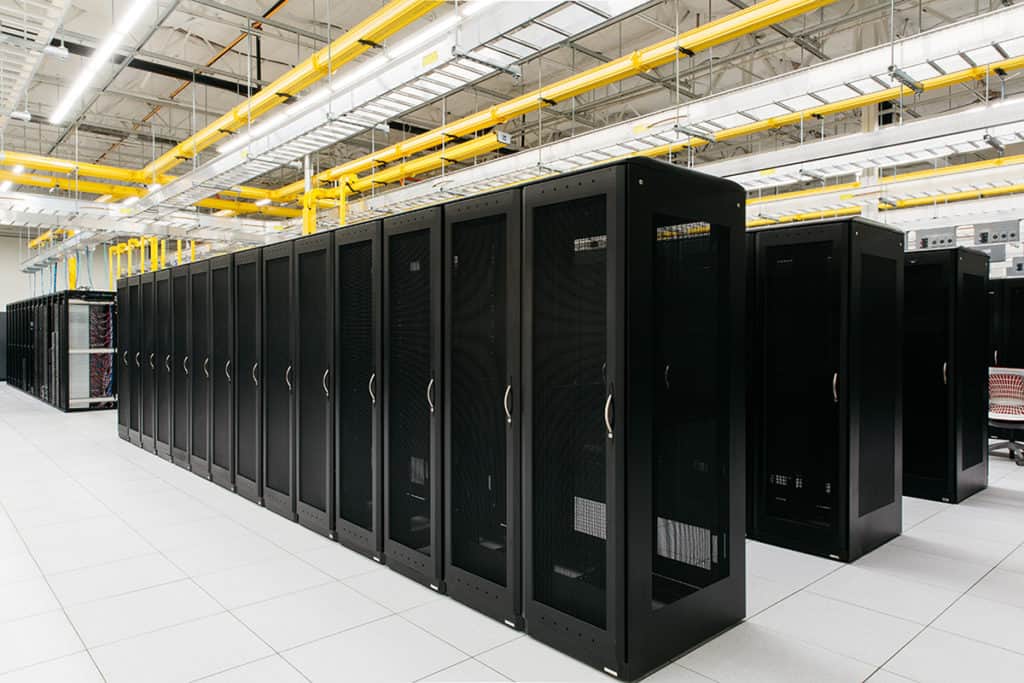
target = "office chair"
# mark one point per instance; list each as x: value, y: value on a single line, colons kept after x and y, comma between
x: 1006, y: 409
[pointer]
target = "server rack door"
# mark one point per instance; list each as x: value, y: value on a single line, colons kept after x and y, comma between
x: 357, y: 388
x: 971, y: 463
x: 279, y: 389
x: 928, y: 347
x: 570, y: 368
x: 199, y: 350
x: 1011, y: 355
x: 314, y: 358
x: 995, y: 320
x: 481, y: 437
x: 134, y: 358
x: 248, y: 319
x: 164, y: 364
x: 183, y: 364
x: 124, y: 385
x: 221, y: 371
x: 146, y: 419
x: 412, y: 396
x: 800, y: 487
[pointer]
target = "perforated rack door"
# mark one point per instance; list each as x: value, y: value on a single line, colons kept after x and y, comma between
x: 181, y: 365
x: 199, y: 349
x: 279, y: 374
x: 248, y: 317
x: 223, y: 372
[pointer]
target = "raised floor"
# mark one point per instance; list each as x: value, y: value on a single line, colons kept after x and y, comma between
x: 118, y: 566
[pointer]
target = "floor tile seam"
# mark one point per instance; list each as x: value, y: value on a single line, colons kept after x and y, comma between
x: 458, y: 663
x: 373, y: 599
x: 284, y: 652
x: 865, y: 607
x: 244, y: 664
x: 451, y: 644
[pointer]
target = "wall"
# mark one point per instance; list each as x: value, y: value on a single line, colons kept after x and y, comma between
x: 16, y: 285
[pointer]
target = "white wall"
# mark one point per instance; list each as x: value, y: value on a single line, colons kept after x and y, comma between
x: 16, y: 285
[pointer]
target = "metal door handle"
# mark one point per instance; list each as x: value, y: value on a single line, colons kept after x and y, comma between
x: 152, y: 365
x: 288, y: 378
x: 137, y: 364
x: 327, y: 392
x: 667, y: 370
x: 945, y: 379
x: 608, y: 416
x: 255, y: 367
x: 835, y: 387
x: 124, y: 358
x: 227, y: 371
x: 167, y: 363
x: 430, y: 394
x: 508, y: 409
x: 206, y: 367
x: 369, y: 387
x: 995, y: 357
x: 184, y: 365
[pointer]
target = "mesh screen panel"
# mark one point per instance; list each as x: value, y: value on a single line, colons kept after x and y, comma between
x: 409, y: 348
x: 179, y: 305
x: 163, y: 349
x: 478, y: 338
x: 124, y: 389
x: 355, y: 366
x: 135, y: 302
x: 146, y: 347
x: 569, y: 389
x: 314, y: 349
x: 277, y: 354
x: 200, y: 351
x: 974, y: 356
x: 220, y: 354
x: 247, y: 333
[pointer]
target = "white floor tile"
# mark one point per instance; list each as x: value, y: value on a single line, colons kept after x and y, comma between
x: 786, y: 567
x: 17, y: 565
x: 750, y: 652
x: 84, y: 543
x: 269, y: 670
x: 261, y: 581
x: 991, y: 622
x: 392, y: 590
x: 460, y: 626
x: 195, y: 532
x: 76, y: 668
x: 762, y: 594
x: 674, y: 673
x: 1002, y: 586
x: 390, y: 649
x: 107, y: 580
x: 528, y: 660
x: 958, y: 546
x: 1014, y: 562
x: 112, y: 619
x: 25, y: 599
x: 297, y: 618
x: 939, y: 657
x: 876, y: 590
x: 340, y: 562
x: 181, y: 653
x: 935, y: 570
x: 883, y: 676
x: 36, y: 639
x: 916, y: 510
x: 470, y: 671
x: 210, y: 558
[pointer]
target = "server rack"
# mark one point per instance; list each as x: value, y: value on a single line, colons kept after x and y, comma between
x: 632, y: 370
x: 182, y: 366
x: 1008, y: 335
x: 247, y: 283
x: 827, y: 466
x: 222, y: 461
x: 411, y: 393
x: 3, y: 346
x: 482, y: 550
x: 165, y: 365
x: 945, y: 374
x: 146, y: 317
x: 199, y: 367
x: 135, y: 360
x: 358, y: 419
x: 278, y: 390
x: 124, y: 347
x: 995, y: 319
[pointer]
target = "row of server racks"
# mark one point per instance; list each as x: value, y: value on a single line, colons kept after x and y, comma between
x: 60, y: 348
x: 530, y: 400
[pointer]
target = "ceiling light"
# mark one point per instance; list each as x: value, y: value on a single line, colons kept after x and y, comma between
x: 131, y: 200
x: 18, y: 169
x: 263, y: 202
x: 57, y: 51
x: 153, y: 187
x: 6, y: 185
x: 99, y: 59
x: 23, y: 116
x: 224, y: 213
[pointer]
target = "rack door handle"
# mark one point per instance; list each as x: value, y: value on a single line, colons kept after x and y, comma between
x: 835, y: 387
x: 167, y: 363
x: 505, y: 402
x: 430, y: 394
x: 137, y: 363
x: 323, y: 381
x: 184, y: 365
x: 227, y: 371
x: 206, y: 367
x: 152, y: 359
x: 369, y: 387
x: 945, y: 377
x: 288, y: 378
x: 124, y: 358
x: 608, y: 415
x: 255, y: 367
x: 995, y: 357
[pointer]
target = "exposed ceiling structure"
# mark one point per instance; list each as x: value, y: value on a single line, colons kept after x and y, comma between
x: 205, y: 119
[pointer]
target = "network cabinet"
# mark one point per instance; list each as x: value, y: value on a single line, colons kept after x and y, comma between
x: 632, y: 412
x: 3, y: 346
x: 133, y: 361
x: 221, y: 302
x: 145, y: 318
x: 247, y: 279
x: 124, y: 347
x: 827, y: 465
x: 164, y: 360
x: 278, y: 391
x: 411, y: 391
x: 199, y: 368
x: 61, y: 349
x: 482, y: 238
x: 181, y: 366
x: 357, y: 402
x: 945, y: 374
x: 1008, y: 323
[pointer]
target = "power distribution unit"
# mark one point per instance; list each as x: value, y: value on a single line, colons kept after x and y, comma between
x: 633, y: 412
x: 945, y: 374
x: 827, y: 459
x: 412, y: 395
x: 482, y: 270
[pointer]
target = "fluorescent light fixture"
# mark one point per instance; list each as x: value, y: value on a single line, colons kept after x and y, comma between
x: 104, y: 198
x: 131, y: 200
x: 18, y: 169
x: 6, y: 185
x: 99, y: 58
x: 24, y: 116
x: 153, y: 187
x: 224, y: 213
x: 58, y: 51
x: 263, y: 202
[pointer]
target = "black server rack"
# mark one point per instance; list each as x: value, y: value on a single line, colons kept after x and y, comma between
x: 199, y: 368
x: 279, y: 384
x: 945, y: 374
x: 411, y: 391
x: 222, y: 465
x: 124, y: 349
x: 181, y: 364
x: 633, y: 415
x: 247, y: 279
x: 135, y: 360
x: 357, y: 402
x: 165, y: 365
x: 313, y: 311
x: 1008, y: 342
x: 995, y: 319
x: 146, y: 314
x: 3, y: 346
x: 827, y: 465
x: 482, y: 238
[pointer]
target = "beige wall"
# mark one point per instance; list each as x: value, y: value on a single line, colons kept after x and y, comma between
x: 16, y: 285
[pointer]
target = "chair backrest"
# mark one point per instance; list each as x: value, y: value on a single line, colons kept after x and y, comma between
x: 1006, y: 393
